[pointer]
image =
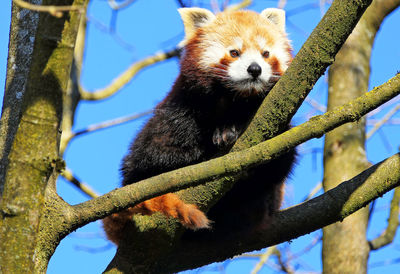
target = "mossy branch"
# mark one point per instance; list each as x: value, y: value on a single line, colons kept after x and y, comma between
x: 288, y: 224
x: 233, y: 163
x: 317, y: 53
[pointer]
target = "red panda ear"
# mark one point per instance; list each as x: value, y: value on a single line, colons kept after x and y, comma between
x: 277, y: 16
x: 194, y: 18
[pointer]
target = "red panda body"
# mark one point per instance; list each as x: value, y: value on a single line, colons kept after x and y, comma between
x: 230, y: 61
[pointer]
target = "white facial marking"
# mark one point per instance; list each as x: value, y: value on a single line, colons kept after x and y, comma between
x: 213, y: 53
x: 237, y: 43
x: 238, y: 71
x: 262, y: 43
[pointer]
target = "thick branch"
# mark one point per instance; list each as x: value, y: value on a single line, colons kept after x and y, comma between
x: 310, y: 63
x: 233, y: 163
x: 331, y: 207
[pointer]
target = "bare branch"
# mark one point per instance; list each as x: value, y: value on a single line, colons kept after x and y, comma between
x: 241, y: 5
x: 314, y: 191
x: 181, y: 3
x: 117, y: 6
x: 282, y: 4
x: 126, y: 76
x: 263, y: 259
x: 86, y: 189
x: 393, y: 222
x: 315, y: 105
x: 313, y: 243
x: 56, y: 11
x: 110, y: 123
x: 384, y: 120
x: 285, y: 267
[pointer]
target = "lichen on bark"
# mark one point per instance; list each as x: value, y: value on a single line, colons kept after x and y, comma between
x: 35, y: 143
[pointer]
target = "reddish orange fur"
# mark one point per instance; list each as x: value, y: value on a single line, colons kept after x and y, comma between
x: 169, y: 204
x: 249, y: 26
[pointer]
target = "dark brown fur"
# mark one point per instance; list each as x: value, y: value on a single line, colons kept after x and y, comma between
x: 200, y: 119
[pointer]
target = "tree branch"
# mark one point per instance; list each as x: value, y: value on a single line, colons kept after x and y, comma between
x: 332, y: 206
x: 384, y: 120
x: 238, y: 6
x: 86, y: 189
x: 110, y: 123
x: 393, y: 222
x: 126, y: 76
x: 263, y: 259
x: 234, y: 163
x: 56, y: 11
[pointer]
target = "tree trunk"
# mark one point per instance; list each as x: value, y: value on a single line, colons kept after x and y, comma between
x: 33, y: 152
x: 345, y: 247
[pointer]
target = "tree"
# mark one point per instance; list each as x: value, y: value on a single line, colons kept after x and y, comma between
x: 31, y: 155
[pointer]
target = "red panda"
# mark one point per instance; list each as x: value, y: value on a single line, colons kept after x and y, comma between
x: 229, y: 63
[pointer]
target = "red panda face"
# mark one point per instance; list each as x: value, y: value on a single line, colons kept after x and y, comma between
x: 245, y: 51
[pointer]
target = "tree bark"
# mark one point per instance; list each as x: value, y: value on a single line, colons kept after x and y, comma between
x: 33, y: 157
x: 22, y: 36
x: 345, y: 246
x: 275, y: 113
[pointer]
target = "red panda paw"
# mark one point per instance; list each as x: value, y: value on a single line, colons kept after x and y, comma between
x: 172, y: 206
x: 191, y: 217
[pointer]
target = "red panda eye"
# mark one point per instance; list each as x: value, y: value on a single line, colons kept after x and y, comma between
x: 234, y: 53
x: 265, y: 54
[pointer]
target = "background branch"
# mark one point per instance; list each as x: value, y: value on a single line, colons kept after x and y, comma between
x: 330, y: 207
x: 56, y: 11
x: 58, y: 223
x: 384, y: 120
x: 126, y: 76
x: 85, y: 188
x: 393, y: 222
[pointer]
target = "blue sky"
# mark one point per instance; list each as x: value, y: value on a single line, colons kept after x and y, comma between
x: 144, y: 28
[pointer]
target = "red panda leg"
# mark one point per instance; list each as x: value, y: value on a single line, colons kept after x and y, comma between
x: 170, y: 205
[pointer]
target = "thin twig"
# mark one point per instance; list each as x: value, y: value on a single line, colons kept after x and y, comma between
x: 282, y: 3
x: 285, y: 267
x: 316, y: 105
x: 384, y: 106
x: 313, y: 243
x: 116, y: 6
x: 393, y: 222
x: 383, y: 121
x: 126, y: 76
x: 111, y: 123
x: 314, y: 191
x: 56, y: 11
x: 263, y: 259
x: 180, y: 2
x: 106, y: 29
x: 241, y: 5
x: 393, y: 121
x: 85, y: 188
x: 214, y: 6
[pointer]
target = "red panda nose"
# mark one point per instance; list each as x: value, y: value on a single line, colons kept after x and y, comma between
x: 254, y: 70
